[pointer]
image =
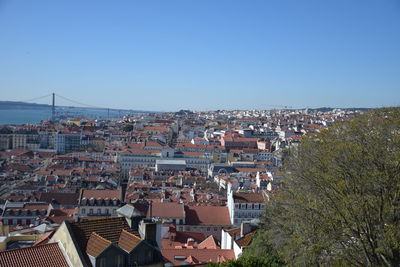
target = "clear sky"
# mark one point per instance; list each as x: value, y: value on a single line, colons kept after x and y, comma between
x: 202, y: 54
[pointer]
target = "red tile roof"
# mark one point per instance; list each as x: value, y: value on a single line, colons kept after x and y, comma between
x: 166, y: 210
x: 128, y: 241
x: 200, y: 255
x: 109, y: 229
x: 37, y: 256
x: 207, y: 215
x: 192, y: 260
x: 43, y: 239
x: 245, y: 240
x: 61, y: 198
x: 96, y: 245
x: 209, y: 243
x: 111, y: 194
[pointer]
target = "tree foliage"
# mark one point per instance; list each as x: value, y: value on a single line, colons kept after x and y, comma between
x: 260, y: 253
x: 247, y: 261
x: 340, y: 202
x: 261, y: 247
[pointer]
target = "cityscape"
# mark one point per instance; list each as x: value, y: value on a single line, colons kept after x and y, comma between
x: 223, y: 133
x: 200, y: 178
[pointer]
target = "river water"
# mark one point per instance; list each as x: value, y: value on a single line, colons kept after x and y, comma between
x: 23, y: 116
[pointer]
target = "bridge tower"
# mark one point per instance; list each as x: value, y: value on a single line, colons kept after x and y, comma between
x: 53, y: 108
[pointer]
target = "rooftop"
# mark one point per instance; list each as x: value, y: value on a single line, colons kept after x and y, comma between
x: 207, y: 215
x: 248, y: 198
x: 36, y: 256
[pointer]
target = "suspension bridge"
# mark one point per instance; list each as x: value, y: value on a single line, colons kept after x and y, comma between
x: 53, y: 96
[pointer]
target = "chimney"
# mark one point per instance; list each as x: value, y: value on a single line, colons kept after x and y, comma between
x: 245, y: 228
x: 122, y: 190
x: 148, y: 232
x: 151, y: 209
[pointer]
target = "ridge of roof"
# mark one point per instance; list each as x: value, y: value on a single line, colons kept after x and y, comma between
x: 128, y: 241
x: 208, y: 243
x: 245, y: 240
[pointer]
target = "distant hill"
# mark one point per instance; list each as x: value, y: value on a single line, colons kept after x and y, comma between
x: 327, y: 109
x: 21, y: 105
x: 4, y: 105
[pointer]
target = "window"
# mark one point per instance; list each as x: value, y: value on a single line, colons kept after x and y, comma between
x: 215, y: 229
x: 98, y: 211
x: 208, y: 229
x: 90, y: 211
x: 107, y: 212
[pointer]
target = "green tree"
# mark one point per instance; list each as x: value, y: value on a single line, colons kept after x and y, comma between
x: 260, y: 253
x: 261, y: 247
x: 247, y: 261
x: 339, y: 205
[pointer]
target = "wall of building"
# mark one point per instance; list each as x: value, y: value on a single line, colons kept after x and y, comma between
x: 64, y: 237
x: 85, y: 211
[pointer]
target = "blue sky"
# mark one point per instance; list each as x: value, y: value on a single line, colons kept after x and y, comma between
x: 199, y: 54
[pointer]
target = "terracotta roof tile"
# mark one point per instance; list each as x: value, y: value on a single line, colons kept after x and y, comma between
x: 245, y: 240
x: 47, y: 255
x: 233, y: 231
x: 209, y: 243
x: 96, y: 245
x: 109, y: 228
x: 88, y: 193
x: 207, y: 215
x: 128, y: 241
x: 180, y: 239
x: 43, y: 239
x: 166, y: 210
x: 191, y: 260
x: 61, y: 198
x: 201, y: 255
